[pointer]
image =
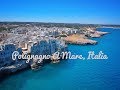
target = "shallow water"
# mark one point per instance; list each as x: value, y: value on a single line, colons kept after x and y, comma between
x: 75, y: 74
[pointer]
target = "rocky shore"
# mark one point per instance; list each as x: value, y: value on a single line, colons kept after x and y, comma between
x: 14, y: 68
x: 83, y: 39
x: 79, y: 39
x: 39, y: 40
x: 42, y: 47
x: 97, y: 34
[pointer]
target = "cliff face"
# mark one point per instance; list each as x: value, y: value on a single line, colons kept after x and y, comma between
x: 48, y: 47
x: 43, y: 47
x: 6, y: 54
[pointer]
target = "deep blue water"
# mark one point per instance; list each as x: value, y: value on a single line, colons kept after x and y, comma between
x: 75, y: 74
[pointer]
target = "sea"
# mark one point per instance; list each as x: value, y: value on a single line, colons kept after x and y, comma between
x: 98, y: 74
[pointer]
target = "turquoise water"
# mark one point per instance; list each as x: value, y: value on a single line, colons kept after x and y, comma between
x: 75, y: 74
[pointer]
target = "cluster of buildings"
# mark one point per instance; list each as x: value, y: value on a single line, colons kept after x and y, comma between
x: 35, y: 39
x: 32, y: 40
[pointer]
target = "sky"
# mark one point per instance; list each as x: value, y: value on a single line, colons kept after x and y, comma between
x: 61, y: 11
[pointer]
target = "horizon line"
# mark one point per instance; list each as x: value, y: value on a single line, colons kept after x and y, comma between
x: 56, y: 22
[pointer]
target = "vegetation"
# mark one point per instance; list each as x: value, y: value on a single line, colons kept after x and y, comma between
x: 68, y: 25
x: 2, y: 29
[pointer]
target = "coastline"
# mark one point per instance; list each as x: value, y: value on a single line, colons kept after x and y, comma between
x: 79, y: 39
x: 76, y: 36
x: 83, y: 39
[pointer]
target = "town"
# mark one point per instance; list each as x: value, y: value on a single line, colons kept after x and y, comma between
x: 40, y: 39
